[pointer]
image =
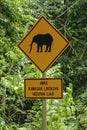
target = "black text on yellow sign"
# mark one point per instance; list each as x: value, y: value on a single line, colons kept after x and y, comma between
x: 43, y: 88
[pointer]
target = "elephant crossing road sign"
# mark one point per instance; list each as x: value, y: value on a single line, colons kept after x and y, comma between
x: 43, y: 44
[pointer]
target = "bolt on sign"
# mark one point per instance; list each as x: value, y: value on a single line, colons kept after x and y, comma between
x: 43, y: 44
x: 43, y: 88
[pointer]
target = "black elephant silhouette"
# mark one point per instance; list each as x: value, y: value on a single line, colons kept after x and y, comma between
x: 40, y: 40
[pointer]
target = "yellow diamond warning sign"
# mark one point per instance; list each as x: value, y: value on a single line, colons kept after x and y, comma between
x: 43, y: 44
x: 44, y: 88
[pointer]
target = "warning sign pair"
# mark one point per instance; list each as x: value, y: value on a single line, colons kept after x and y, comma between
x: 42, y: 45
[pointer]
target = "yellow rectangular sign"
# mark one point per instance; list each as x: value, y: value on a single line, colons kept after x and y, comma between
x: 43, y: 88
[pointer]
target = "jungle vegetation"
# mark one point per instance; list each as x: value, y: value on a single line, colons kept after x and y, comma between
x: 17, y: 17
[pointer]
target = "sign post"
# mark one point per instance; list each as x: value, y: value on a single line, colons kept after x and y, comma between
x: 44, y: 124
x: 42, y: 45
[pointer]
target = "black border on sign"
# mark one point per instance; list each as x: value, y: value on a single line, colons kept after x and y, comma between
x: 44, y: 97
x: 57, y: 55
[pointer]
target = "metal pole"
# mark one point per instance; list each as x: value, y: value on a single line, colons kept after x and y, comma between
x: 44, y: 110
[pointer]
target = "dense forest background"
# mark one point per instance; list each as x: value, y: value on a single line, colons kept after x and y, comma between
x: 17, y: 17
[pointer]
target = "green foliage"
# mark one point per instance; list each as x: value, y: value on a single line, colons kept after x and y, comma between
x: 16, y: 18
x: 61, y: 113
x: 55, y: 72
x: 81, y: 110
